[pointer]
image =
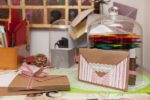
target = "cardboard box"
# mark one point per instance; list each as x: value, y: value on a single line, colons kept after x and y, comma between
x: 81, y: 24
x: 105, y: 68
x: 9, y: 60
x: 78, y: 25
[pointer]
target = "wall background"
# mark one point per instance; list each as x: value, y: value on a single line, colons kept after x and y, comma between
x: 147, y: 35
x: 41, y: 42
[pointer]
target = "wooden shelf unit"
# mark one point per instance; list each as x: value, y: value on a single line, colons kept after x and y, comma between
x: 39, y: 15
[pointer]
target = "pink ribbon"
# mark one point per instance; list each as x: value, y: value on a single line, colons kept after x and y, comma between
x: 32, y: 75
x: 76, y: 58
x: 132, y: 72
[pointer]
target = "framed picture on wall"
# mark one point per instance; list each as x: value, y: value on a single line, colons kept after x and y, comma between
x: 44, y: 12
x: 34, y: 2
x: 86, y: 2
x: 4, y: 13
x: 3, y: 41
x: 55, y: 14
x: 73, y: 2
x: 3, y: 2
x: 55, y: 2
x: 72, y: 14
x: 35, y: 16
x: 18, y: 12
x: 16, y: 2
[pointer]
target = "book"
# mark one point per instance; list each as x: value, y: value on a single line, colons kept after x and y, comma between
x: 3, y: 38
x: 1, y: 41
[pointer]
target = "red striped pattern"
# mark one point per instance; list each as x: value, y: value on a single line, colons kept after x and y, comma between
x: 116, y: 78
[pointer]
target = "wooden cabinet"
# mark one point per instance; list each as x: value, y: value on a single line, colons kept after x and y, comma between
x: 42, y: 13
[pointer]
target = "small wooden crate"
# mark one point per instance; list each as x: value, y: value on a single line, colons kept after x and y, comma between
x: 9, y: 59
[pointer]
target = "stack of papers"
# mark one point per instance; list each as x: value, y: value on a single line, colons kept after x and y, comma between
x: 115, y: 41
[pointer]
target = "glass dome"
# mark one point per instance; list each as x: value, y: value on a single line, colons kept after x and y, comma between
x: 116, y: 32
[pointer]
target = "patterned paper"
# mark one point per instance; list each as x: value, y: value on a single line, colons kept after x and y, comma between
x: 116, y: 78
x: 115, y: 41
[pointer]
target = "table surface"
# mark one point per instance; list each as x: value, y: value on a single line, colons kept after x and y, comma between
x: 81, y: 94
x: 142, y: 82
x: 73, y: 96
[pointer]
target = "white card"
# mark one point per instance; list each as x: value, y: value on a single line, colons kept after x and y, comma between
x: 132, y: 53
x: 100, y: 29
x: 2, y: 29
x: 7, y: 78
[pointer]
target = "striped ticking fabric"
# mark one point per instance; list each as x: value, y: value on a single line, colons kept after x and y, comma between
x: 115, y: 78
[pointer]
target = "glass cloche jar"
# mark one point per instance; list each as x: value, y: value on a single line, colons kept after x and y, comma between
x: 116, y: 32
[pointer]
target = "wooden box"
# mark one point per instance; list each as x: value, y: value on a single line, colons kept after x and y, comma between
x: 9, y: 59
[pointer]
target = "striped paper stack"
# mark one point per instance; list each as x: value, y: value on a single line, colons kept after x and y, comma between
x: 115, y: 41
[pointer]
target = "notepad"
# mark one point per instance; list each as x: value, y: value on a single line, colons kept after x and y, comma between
x: 7, y: 78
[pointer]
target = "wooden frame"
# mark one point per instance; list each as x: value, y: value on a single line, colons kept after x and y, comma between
x: 45, y: 7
